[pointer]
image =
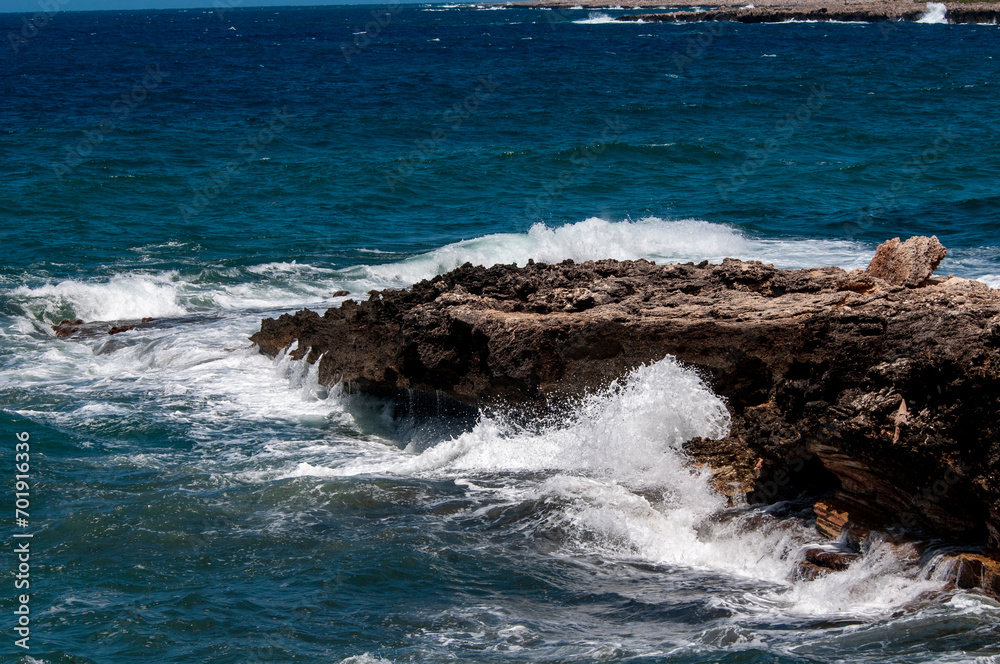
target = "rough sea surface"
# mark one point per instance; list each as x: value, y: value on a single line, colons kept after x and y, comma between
x: 192, y: 501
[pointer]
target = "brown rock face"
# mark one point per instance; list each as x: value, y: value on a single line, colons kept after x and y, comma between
x: 977, y: 572
x: 909, y: 263
x: 67, y: 328
x: 830, y: 521
x: 881, y: 386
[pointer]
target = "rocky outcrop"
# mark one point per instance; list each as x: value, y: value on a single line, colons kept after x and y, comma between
x: 869, y: 12
x: 879, y: 387
x: 909, y: 263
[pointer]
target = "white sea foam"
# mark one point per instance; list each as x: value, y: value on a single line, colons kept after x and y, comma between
x: 991, y: 280
x: 141, y: 294
x: 202, y: 376
x: 287, y: 284
x: 594, y: 239
x: 611, y: 479
x: 936, y: 12
x: 123, y: 296
x: 288, y: 267
x: 596, y: 18
x: 633, y: 430
x: 365, y: 658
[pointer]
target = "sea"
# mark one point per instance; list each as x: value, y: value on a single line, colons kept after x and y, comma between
x: 171, y: 495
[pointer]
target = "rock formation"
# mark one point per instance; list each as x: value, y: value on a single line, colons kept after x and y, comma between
x: 870, y: 12
x: 878, y: 386
x: 775, y: 11
x: 910, y: 263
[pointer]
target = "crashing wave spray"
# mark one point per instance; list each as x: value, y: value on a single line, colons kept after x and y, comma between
x: 610, y: 479
x: 935, y: 13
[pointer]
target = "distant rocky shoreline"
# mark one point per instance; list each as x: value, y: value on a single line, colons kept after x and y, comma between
x: 779, y: 11
x: 875, y: 391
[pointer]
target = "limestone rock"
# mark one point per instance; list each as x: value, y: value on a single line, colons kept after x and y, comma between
x: 909, y: 263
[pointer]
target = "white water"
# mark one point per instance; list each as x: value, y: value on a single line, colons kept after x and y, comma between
x: 285, y: 285
x: 597, y: 18
x: 612, y: 476
x: 936, y: 12
x: 609, y: 474
x: 651, y: 238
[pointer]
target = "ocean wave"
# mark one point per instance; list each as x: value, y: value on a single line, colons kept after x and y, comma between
x: 365, y: 658
x: 283, y: 284
x: 609, y: 480
x: 123, y: 296
x: 651, y: 238
x: 936, y: 12
x: 597, y: 18
x: 991, y: 280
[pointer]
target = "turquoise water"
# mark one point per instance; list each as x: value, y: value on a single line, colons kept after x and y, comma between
x: 194, y: 501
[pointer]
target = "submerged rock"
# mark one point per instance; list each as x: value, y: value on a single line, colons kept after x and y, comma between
x: 880, y: 386
x: 67, y: 328
x: 79, y: 330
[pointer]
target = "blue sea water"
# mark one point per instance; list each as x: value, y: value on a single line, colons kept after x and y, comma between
x: 194, y: 501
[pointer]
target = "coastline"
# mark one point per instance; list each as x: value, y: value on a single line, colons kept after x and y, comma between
x: 870, y: 391
x: 194, y: 500
x: 779, y: 11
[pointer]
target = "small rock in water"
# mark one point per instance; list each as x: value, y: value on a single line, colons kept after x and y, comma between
x: 67, y: 328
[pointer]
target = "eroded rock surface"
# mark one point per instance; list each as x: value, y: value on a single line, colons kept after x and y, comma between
x: 909, y: 263
x: 882, y: 391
